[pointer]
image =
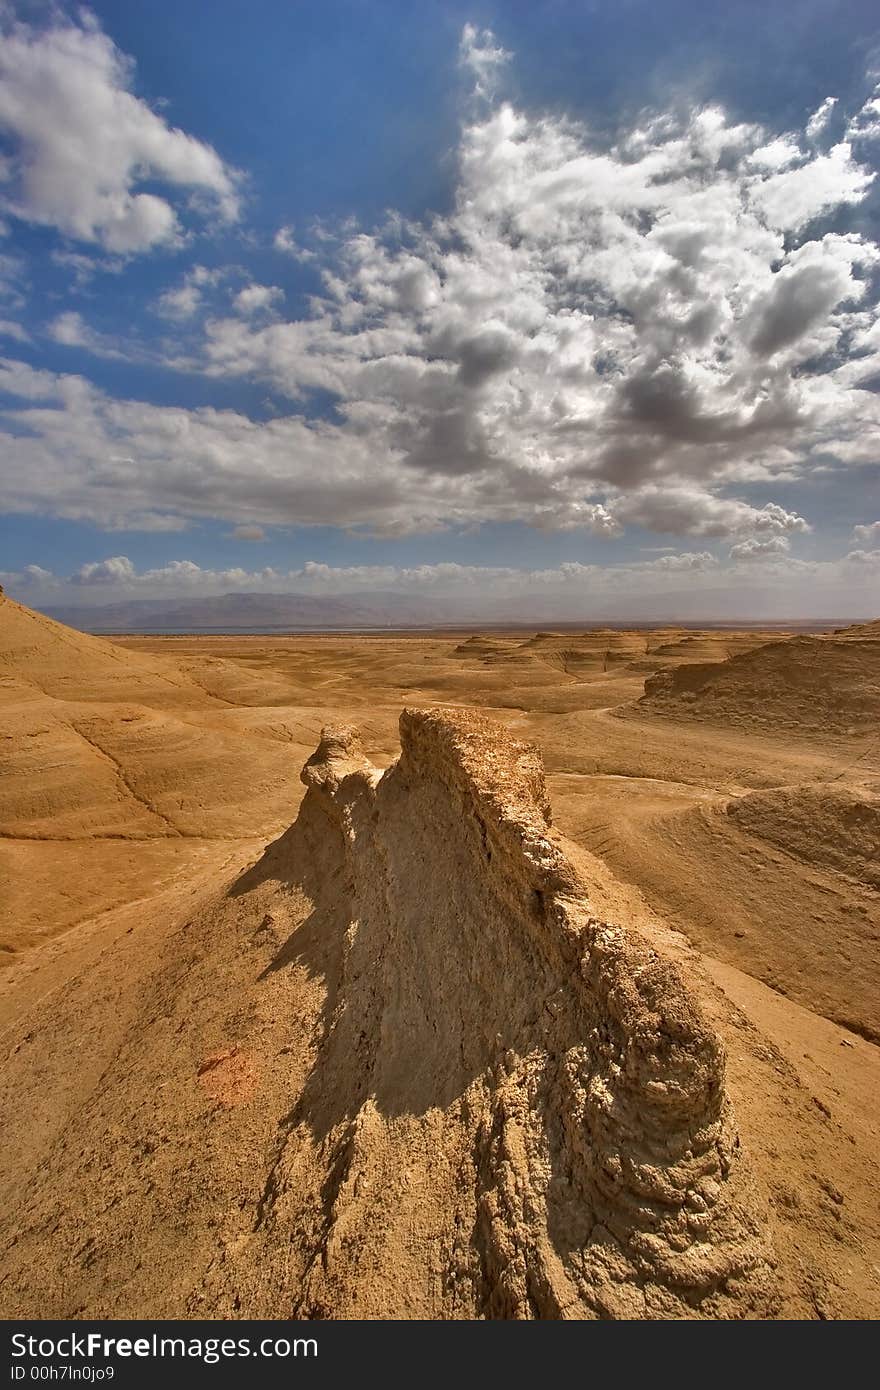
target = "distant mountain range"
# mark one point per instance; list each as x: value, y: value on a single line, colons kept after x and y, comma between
x: 347, y: 612
x: 234, y: 612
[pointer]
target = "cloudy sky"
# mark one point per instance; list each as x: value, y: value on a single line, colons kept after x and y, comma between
x: 492, y: 299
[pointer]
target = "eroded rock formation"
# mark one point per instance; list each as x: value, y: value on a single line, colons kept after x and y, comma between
x: 550, y: 1076
x: 398, y: 1068
x: 826, y: 684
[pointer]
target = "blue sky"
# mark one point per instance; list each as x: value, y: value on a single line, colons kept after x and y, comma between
x: 550, y: 297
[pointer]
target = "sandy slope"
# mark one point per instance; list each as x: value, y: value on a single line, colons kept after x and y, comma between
x: 104, y: 750
x: 774, y: 882
x: 140, y: 776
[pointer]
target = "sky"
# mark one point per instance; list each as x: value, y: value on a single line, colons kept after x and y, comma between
x: 489, y: 301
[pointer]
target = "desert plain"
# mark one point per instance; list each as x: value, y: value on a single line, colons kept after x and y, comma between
x: 573, y: 1013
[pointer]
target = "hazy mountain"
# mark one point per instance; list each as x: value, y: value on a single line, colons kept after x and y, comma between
x: 230, y: 612
x: 319, y: 612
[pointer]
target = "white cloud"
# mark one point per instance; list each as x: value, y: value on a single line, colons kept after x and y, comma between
x: 247, y: 532
x: 595, y: 337
x: 183, y: 301
x: 29, y: 383
x: 815, y: 186
x: 85, y: 452
x: 483, y: 58
x: 869, y: 534
x: 119, y: 574
x: 816, y: 279
x: 759, y: 548
x: 71, y: 330
x: 30, y: 577
x: 10, y: 329
x: 84, y: 268
x: 771, y: 584
x: 118, y: 569
x: 820, y: 118
x: 117, y: 577
x: 35, y: 574
x: 186, y: 576
x: 286, y: 242
x: 865, y: 124
x: 179, y: 303
x: 777, y: 154
x: 83, y: 143
x: 255, y: 299
x: 692, y: 512
x: 692, y: 560
x: 588, y: 324
x: 868, y: 559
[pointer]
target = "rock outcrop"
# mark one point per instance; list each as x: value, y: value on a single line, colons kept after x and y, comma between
x: 398, y: 1068
x: 599, y: 1171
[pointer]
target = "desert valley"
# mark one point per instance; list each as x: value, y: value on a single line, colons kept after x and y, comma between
x: 572, y: 1013
x: 439, y: 679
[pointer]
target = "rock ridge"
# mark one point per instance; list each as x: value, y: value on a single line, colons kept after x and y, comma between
x: 604, y: 1174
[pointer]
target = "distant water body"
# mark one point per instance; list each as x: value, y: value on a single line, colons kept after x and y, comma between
x: 545, y: 624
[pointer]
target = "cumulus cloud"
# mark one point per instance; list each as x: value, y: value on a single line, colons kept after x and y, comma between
x: 119, y: 574
x: 255, y: 299
x: 592, y: 323
x: 773, y: 583
x: 35, y: 574
x: 86, y: 451
x: 29, y: 383
x: 71, y: 330
x: 869, y: 534
x: 693, y: 560
x: 285, y: 241
x: 816, y: 280
x: 791, y: 199
x: 30, y: 577
x: 118, y: 569
x: 692, y: 512
x: 865, y: 124
x: 596, y: 336
x: 84, y: 144
x: 820, y: 118
x: 184, y: 300
x: 868, y: 559
x: 759, y: 548
x: 181, y: 302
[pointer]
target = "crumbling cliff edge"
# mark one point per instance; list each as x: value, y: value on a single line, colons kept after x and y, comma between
x: 600, y: 1172
x: 399, y: 1067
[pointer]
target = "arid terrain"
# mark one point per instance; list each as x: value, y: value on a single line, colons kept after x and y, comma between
x: 586, y: 1031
